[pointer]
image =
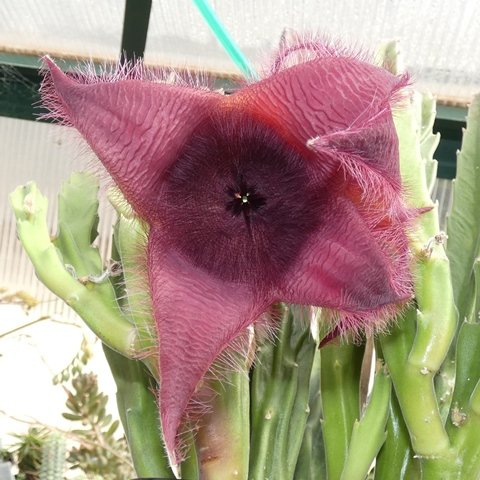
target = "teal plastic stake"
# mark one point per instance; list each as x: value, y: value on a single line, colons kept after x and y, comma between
x: 225, y: 39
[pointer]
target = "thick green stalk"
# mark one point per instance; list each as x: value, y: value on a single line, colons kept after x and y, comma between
x: 413, y: 374
x: 463, y: 222
x: 190, y: 467
x: 395, y: 460
x: 467, y: 374
x: 279, y: 397
x: 223, y: 438
x: 85, y: 297
x: 340, y: 385
x: 416, y: 396
x: 463, y: 245
x: 426, y: 113
x: 130, y: 237
x: 311, y: 459
x: 436, y: 314
x: 428, y: 141
x: 139, y: 414
x: 463, y: 424
x: 468, y: 444
x: 369, y: 433
x: 433, y: 289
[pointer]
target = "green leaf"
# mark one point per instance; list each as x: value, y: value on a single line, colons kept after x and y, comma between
x: 72, y: 417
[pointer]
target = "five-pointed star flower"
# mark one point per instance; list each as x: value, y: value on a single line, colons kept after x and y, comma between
x: 287, y: 190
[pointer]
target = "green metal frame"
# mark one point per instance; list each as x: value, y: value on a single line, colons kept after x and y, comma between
x: 20, y: 80
x: 450, y: 122
x: 135, y: 28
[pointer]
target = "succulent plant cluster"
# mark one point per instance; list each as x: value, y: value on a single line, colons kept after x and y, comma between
x: 342, y: 219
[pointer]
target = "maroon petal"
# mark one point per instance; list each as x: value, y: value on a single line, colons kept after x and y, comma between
x: 344, y: 267
x: 374, y: 146
x: 197, y: 316
x: 325, y: 95
x: 135, y: 127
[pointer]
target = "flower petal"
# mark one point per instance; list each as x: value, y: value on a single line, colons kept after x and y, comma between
x: 322, y: 96
x: 197, y: 316
x: 343, y: 267
x: 374, y: 146
x: 136, y: 127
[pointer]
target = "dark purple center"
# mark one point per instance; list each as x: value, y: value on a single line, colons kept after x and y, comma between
x: 239, y: 201
x: 243, y: 199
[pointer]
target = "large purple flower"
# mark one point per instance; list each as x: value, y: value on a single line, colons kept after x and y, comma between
x: 287, y: 190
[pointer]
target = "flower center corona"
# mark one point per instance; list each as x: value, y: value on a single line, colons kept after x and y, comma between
x: 231, y: 201
x: 243, y: 199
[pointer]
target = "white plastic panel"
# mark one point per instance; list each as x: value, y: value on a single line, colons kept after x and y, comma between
x: 46, y: 154
x: 73, y: 28
x: 439, y: 38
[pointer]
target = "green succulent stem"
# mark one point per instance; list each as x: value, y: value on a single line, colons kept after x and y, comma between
x: 368, y: 434
x: 223, y: 438
x: 463, y: 225
x: 104, y: 318
x: 279, y: 397
x: 395, y: 460
x: 130, y: 237
x: 340, y: 393
x: 139, y: 414
x: 413, y: 363
x: 311, y: 458
x: 463, y: 248
x: 463, y: 423
x: 436, y: 314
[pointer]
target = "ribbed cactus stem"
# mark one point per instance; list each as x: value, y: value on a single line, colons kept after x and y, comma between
x: 413, y: 368
x: 463, y: 224
x: 53, y: 457
x: 129, y: 236
x: 368, y: 434
x: 223, y: 438
x: 463, y: 422
x: 139, y: 414
x: 95, y: 303
x: 311, y: 459
x: 340, y: 380
x: 279, y: 397
x: 395, y: 460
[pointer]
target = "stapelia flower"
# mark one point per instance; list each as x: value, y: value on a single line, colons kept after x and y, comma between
x: 287, y: 190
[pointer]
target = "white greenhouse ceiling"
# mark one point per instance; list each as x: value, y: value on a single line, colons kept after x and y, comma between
x: 439, y: 39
